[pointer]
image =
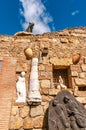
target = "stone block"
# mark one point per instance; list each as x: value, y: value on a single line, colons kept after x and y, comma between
x: 46, y: 107
x: 45, y: 60
x: 64, y: 40
x: 24, y: 111
x: 36, y: 111
x: 61, y: 61
x: 45, y: 98
x: 14, y: 111
x: 53, y: 91
x: 75, y: 68
x: 48, y: 68
x: 74, y: 73
x: 41, y: 68
x: 82, y: 75
x: 80, y: 82
x: 21, y: 67
x: 73, y: 40
x: 18, y: 122
x: 83, y: 68
x: 28, y: 123
x: 38, y: 122
x: 81, y: 99
x: 44, y: 91
x: 45, y: 83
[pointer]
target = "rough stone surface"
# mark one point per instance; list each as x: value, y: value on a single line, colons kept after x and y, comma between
x: 81, y: 100
x: 45, y: 84
x: 62, y: 61
x: 82, y: 75
x: 36, y: 111
x: 28, y: 123
x: 83, y: 68
x: 14, y: 111
x: 24, y: 111
x: 74, y: 73
x: 18, y: 122
x: 38, y: 122
x: 63, y: 109
x: 53, y: 91
x: 80, y: 82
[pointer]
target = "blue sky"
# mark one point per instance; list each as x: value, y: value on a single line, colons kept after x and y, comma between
x: 48, y: 15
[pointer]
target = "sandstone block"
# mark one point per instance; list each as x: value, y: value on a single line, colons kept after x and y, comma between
x: 28, y: 123
x: 81, y: 99
x: 75, y: 68
x: 44, y: 91
x: 36, y: 111
x: 41, y: 67
x: 24, y: 111
x: 80, y: 82
x: 46, y: 98
x: 18, y: 122
x: 14, y: 110
x: 82, y: 75
x: 73, y: 40
x: 46, y: 107
x: 61, y: 61
x: 74, y: 73
x: 48, y: 67
x: 21, y: 67
x: 45, y: 83
x: 38, y: 122
x: 64, y: 40
x: 53, y: 91
x: 83, y: 68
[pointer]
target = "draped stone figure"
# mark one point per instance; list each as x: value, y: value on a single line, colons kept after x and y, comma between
x: 66, y: 113
x: 34, y: 89
x: 21, y: 88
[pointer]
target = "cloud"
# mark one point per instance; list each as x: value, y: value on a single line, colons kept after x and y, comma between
x: 35, y: 11
x: 75, y: 12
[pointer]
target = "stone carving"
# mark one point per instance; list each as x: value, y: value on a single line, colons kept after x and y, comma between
x: 61, y: 83
x: 34, y: 92
x: 66, y: 113
x: 21, y: 88
x: 30, y: 27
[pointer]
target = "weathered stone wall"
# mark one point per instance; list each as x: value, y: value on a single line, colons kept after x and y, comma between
x: 61, y: 47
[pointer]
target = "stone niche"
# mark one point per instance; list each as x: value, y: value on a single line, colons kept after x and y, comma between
x: 64, y: 72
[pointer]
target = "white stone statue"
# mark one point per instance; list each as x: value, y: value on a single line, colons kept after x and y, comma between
x: 21, y: 88
x: 34, y: 90
x: 61, y: 83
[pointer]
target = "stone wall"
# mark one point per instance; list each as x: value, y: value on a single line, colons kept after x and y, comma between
x: 60, y: 49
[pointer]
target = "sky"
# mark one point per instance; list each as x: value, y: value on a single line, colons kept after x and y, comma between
x: 47, y: 15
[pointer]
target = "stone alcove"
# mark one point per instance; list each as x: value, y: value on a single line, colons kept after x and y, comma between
x: 65, y: 73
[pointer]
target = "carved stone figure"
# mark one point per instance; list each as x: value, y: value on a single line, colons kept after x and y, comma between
x: 21, y: 88
x: 34, y: 90
x: 66, y: 113
x: 61, y: 83
x: 77, y: 118
x: 30, y: 27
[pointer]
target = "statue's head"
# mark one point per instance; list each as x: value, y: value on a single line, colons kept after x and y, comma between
x: 66, y: 99
x: 22, y: 73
